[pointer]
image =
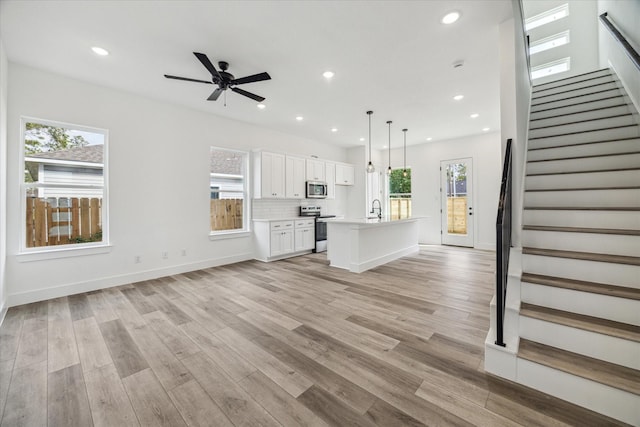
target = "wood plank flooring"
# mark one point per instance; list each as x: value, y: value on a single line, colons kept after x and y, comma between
x: 287, y: 343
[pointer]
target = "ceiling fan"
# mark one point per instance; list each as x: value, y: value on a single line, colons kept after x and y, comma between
x: 224, y: 80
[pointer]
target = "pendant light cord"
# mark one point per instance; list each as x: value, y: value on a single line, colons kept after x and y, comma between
x: 405, y: 151
x: 389, y: 123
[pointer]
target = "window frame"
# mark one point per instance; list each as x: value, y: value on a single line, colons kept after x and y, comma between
x: 67, y: 250
x: 245, y: 231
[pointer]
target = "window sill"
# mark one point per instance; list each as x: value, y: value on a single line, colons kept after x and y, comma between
x: 230, y: 235
x: 42, y: 255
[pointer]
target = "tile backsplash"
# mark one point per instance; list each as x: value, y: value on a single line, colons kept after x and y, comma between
x: 274, y: 209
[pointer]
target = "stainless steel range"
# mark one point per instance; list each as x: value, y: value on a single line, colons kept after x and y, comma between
x: 321, y: 225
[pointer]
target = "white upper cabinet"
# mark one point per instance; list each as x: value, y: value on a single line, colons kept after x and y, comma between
x: 345, y: 174
x: 315, y: 170
x: 295, y: 177
x: 330, y: 178
x: 270, y: 175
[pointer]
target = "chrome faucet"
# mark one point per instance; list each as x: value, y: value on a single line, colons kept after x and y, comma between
x: 373, y: 208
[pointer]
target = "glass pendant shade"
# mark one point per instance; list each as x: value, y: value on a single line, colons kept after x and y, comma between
x: 370, y: 167
x: 389, y: 168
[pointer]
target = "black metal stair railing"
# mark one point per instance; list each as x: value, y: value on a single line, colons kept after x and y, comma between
x: 629, y: 50
x: 503, y: 244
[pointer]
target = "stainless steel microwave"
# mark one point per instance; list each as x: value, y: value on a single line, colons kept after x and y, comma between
x: 316, y: 190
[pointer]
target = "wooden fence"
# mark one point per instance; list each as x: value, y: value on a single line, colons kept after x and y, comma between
x: 62, y: 221
x: 400, y: 208
x: 226, y: 214
x: 457, y: 215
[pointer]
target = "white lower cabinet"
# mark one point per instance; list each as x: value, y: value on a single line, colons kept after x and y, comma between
x: 277, y: 239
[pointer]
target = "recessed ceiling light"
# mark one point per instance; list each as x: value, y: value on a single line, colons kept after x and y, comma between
x: 458, y: 97
x: 261, y: 106
x: 299, y: 118
x: 485, y: 129
x: 450, y: 17
x: 328, y: 74
x: 334, y: 129
x: 361, y: 139
x: 429, y: 139
x: 474, y: 115
x: 100, y: 51
x: 384, y: 146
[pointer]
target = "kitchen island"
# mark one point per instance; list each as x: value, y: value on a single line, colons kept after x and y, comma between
x: 360, y: 244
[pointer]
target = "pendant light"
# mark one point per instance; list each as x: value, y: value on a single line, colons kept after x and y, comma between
x: 389, y: 169
x: 404, y: 171
x: 370, y: 167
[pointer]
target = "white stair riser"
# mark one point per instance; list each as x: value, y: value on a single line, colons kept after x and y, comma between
x: 626, y: 220
x: 603, y: 399
x: 599, y: 346
x: 586, y: 137
x: 572, y: 85
x: 570, y: 80
x: 574, y: 93
x: 611, y: 244
x: 588, y: 126
x: 578, y: 269
x: 595, y: 149
x: 583, y: 198
x: 577, y: 100
x: 583, y: 180
x: 620, y: 161
x: 604, y: 306
x: 578, y: 117
x: 577, y: 108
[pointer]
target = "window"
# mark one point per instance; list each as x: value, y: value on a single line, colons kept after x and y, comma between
x: 551, y: 68
x: 544, y: 18
x: 549, y: 42
x: 228, y: 191
x: 399, y: 194
x: 64, y: 186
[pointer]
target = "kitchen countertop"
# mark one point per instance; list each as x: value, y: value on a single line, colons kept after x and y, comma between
x: 293, y: 218
x: 372, y: 221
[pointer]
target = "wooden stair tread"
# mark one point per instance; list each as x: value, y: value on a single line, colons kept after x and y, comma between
x: 622, y: 104
x: 586, y: 256
x: 583, y: 171
x: 617, y: 95
x: 630, y: 187
x: 584, y: 157
x: 583, y: 286
x: 582, y: 230
x: 581, y: 131
x: 583, y: 143
x: 581, y: 321
x: 610, y: 374
x: 613, y: 90
x: 580, y: 121
x: 538, y: 86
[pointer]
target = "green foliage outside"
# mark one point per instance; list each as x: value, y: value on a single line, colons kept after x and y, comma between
x: 399, y: 183
x: 40, y: 138
x: 97, y: 237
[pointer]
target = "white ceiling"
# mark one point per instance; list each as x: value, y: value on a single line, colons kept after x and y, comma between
x: 392, y: 57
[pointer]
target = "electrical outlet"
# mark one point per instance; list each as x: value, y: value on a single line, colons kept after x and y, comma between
x: 165, y: 255
x: 137, y: 259
x: 183, y: 252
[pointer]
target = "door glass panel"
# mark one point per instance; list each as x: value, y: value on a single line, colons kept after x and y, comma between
x: 456, y: 188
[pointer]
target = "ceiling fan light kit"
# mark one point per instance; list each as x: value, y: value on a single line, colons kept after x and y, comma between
x: 224, y: 79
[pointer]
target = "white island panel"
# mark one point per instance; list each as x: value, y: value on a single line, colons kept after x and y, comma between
x: 358, y: 245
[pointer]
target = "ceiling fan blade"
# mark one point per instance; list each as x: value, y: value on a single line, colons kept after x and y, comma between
x: 208, y: 65
x: 250, y: 79
x: 215, y: 95
x: 248, y: 94
x: 187, y: 79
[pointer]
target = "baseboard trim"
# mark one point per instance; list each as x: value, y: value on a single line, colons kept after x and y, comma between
x: 375, y: 262
x: 118, y: 280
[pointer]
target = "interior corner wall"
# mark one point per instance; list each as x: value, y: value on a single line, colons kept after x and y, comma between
x: 3, y: 178
x: 625, y: 15
x: 515, y: 103
x: 158, y: 159
x: 425, y: 158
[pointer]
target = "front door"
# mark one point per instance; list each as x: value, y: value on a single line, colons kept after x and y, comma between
x: 457, y: 202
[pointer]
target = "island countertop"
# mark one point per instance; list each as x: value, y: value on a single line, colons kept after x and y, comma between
x: 385, y: 220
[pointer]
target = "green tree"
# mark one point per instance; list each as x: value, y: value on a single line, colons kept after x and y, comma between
x: 41, y: 138
x: 399, y: 183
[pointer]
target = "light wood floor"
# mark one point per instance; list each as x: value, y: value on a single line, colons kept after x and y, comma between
x: 287, y: 343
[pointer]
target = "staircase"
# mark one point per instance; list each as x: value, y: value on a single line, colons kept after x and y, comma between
x: 579, y: 320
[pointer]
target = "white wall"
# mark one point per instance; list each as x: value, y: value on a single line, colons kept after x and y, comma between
x: 158, y: 183
x: 424, y: 161
x: 3, y: 178
x: 626, y: 17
